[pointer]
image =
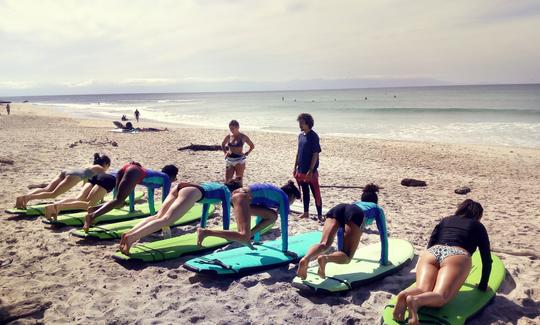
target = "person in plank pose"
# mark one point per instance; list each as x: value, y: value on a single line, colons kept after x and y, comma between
x: 65, y: 181
x: 127, y: 178
x: 177, y: 204
x: 92, y: 193
x: 444, y: 266
x: 349, y: 218
x: 260, y: 199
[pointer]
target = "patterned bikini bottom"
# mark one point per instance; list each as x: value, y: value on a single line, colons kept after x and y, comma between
x: 442, y: 251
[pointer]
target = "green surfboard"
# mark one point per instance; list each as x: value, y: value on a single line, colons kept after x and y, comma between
x: 175, y: 247
x: 115, y: 230
x: 39, y: 209
x: 77, y: 219
x: 468, y: 302
x: 363, y: 268
x: 244, y: 260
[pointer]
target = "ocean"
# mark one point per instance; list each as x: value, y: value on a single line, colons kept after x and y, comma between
x: 507, y: 115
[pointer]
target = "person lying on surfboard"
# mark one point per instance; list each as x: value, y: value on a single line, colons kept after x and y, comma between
x: 445, y: 265
x: 92, y: 193
x: 177, y: 203
x: 65, y: 181
x: 127, y: 178
x: 350, y: 218
x: 260, y: 199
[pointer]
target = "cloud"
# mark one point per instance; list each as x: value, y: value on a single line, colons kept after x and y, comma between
x: 164, y: 43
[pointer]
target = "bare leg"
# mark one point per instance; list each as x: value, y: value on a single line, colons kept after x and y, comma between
x: 453, y: 272
x: 242, y: 212
x: 126, y: 185
x: 66, y: 184
x: 268, y: 217
x: 351, y: 239
x: 173, y: 195
x: 330, y: 229
x: 95, y: 195
x: 229, y: 173
x: 239, y: 170
x: 187, y: 197
x: 427, y: 269
x: 52, y: 185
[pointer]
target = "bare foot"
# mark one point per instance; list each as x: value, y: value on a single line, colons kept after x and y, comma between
x: 413, y: 311
x: 18, y: 202
x: 51, y: 212
x: 88, y: 220
x: 125, y: 244
x: 322, y: 265
x: 200, y: 236
x: 304, y: 215
x: 301, y: 272
x: 399, y: 309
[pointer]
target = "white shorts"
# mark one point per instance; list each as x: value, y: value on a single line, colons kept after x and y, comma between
x: 233, y: 161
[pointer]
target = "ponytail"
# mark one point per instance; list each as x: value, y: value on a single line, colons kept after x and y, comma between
x: 101, y: 160
x: 369, y: 193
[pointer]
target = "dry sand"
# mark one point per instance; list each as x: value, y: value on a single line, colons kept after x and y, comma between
x: 85, y: 285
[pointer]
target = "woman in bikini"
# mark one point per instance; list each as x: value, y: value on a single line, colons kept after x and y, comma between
x: 65, y: 181
x: 233, y: 146
x: 444, y: 266
x: 93, y: 192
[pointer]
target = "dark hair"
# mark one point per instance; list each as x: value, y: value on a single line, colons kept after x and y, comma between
x: 233, y: 184
x: 369, y: 193
x: 234, y: 123
x: 291, y: 189
x: 101, y: 160
x: 470, y: 209
x: 307, y: 118
x: 170, y: 170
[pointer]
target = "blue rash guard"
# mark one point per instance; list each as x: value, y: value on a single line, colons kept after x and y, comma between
x: 372, y: 212
x: 213, y: 193
x: 270, y: 196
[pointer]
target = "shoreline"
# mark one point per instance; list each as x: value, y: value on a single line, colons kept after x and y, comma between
x: 85, y: 285
x: 44, y: 110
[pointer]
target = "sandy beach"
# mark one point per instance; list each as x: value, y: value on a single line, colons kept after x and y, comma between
x: 77, y: 281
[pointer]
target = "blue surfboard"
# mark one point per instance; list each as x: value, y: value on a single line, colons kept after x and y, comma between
x: 244, y: 260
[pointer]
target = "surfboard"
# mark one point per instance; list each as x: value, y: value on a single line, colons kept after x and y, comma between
x: 175, y: 247
x: 243, y: 260
x: 77, y: 219
x: 363, y: 268
x: 298, y: 207
x: 39, y: 209
x: 468, y: 302
x: 115, y: 230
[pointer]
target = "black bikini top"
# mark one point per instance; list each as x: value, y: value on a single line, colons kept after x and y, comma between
x: 236, y: 144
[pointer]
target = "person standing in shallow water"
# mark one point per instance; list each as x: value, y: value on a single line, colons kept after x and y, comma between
x: 306, y: 164
x: 137, y: 114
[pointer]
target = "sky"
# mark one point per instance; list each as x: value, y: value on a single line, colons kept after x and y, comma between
x: 87, y: 47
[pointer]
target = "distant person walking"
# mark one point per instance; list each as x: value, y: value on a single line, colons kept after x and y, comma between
x: 8, y: 109
x: 307, y: 162
x: 137, y: 114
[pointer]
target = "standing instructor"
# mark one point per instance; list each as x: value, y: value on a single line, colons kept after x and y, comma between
x: 307, y: 162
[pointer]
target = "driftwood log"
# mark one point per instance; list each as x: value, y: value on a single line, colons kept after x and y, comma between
x: 413, y: 182
x: 201, y: 147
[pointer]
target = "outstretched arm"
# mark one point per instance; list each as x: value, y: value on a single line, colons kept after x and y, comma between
x: 381, y: 225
